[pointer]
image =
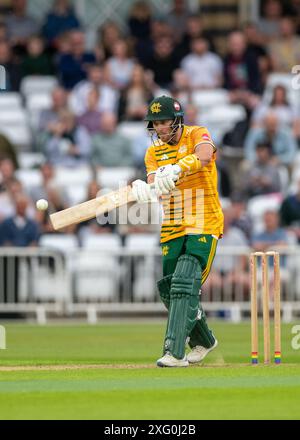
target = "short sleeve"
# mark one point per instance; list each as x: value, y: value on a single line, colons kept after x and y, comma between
x: 200, y: 135
x: 150, y: 161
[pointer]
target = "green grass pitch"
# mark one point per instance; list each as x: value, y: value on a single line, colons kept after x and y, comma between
x: 108, y: 372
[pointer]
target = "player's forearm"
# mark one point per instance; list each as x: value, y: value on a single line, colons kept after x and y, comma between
x: 201, y: 158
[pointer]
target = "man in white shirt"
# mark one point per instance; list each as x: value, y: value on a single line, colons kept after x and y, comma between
x: 108, y: 97
x: 203, y: 68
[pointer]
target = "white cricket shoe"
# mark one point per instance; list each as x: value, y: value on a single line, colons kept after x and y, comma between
x: 199, y: 352
x: 170, y: 361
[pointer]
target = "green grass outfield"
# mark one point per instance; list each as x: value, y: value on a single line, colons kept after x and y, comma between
x: 108, y: 372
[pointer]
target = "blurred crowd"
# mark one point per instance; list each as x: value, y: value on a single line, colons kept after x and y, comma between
x: 114, y: 82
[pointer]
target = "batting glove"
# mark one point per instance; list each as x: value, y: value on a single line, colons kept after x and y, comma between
x: 142, y: 192
x: 165, y: 179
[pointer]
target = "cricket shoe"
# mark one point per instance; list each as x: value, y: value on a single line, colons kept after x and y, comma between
x: 199, y: 352
x: 170, y: 361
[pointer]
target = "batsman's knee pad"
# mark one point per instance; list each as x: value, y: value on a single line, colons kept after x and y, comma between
x: 184, y: 302
x: 164, y: 287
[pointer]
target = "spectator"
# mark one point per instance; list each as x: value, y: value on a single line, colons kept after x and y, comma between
x: 3, y: 32
x: 229, y: 274
x: 272, y: 235
x: 163, y: 62
x: 67, y: 145
x: 239, y: 217
x: 91, y: 118
x: 98, y: 225
x: 109, y: 34
x: 10, y: 190
x: 224, y: 181
x: 50, y: 116
x: 269, y: 24
x: 108, y: 97
x: 181, y: 89
x: 7, y: 173
x: 36, y: 62
x: 13, y: 74
x: 194, y: 29
x: 55, y: 196
x: 119, y: 67
x: 285, y: 50
x: 135, y: 98
x: 294, y: 11
x: 109, y: 148
x: 20, y: 26
x: 201, y: 60
x: 286, y: 113
x: 241, y: 72
x: 263, y: 177
x: 73, y: 66
x: 8, y: 150
x: 191, y: 115
x: 19, y: 230
x: 257, y: 47
x: 139, y: 21
x: 60, y: 19
x: 281, y: 139
x: 290, y: 212
x: 177, y: 18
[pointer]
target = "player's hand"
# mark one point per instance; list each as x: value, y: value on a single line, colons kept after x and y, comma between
x: 165, y: 178
x: 142, y: 192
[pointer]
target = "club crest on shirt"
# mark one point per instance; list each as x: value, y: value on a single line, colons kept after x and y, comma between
x: 165, y: 250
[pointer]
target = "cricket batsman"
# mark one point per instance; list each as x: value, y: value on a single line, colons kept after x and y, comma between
x: 181, y: 166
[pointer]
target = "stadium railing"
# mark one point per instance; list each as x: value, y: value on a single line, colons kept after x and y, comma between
x: 95, y: 283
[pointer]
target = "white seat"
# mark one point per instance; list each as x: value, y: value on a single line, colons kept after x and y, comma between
x: 29, y: 178
x: 115, y: 178
x: 227, y: 113
x: 131, y: 129
x: 102, y: 242
x: 210, y: 98
x: 75, y: 194
x: 285, y: 80
x: 222, y: 118
x: 258, y: 205
x: 13, y: 116
x: 61, y: 242
x: 96, y: 276
x: 19, y: 135
x: 39, y: 101
x: 10, y: 100
x: 66, y: 177
x: 144, y: 282
x: 35, y: 104
x: 142, y: 241
x: 30, y: 160
x: 37, y: 84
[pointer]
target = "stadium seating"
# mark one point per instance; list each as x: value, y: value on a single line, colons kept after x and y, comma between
x: 144, y: 281
x: 37, y: 84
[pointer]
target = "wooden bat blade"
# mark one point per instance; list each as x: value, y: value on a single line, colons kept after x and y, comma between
x: 92, y: 208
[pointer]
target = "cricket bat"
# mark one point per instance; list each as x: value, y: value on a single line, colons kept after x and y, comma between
x: 92, y: 208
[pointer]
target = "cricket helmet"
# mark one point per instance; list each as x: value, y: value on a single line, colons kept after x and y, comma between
x: 164, y: 108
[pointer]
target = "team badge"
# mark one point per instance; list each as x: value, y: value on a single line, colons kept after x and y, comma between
x: 177, y: 106
x: 155, y: 107
x: 165, y: 250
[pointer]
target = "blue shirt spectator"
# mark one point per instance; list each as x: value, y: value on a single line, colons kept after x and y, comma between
x: 281, y: 139
x: 19, y: 230
x: 60, y: 19
x: 72, y: 66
